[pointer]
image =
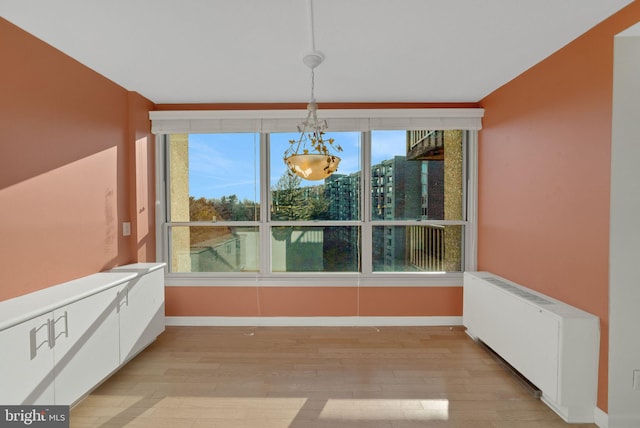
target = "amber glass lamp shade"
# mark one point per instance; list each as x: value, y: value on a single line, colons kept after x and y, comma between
x: 312, y: 166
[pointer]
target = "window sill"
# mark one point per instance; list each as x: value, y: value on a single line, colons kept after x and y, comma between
x: 316, y: 280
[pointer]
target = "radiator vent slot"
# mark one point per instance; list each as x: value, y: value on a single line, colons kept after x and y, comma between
x: 519, y: 292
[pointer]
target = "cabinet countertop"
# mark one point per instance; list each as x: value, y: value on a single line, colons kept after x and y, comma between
x: 22, y: 308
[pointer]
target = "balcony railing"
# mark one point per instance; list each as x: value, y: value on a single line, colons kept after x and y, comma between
x: 426, y: 248
x: 425, y: 145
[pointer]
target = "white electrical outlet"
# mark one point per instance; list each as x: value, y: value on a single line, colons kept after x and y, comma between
x: 636, y: 379
x: 126, y: 229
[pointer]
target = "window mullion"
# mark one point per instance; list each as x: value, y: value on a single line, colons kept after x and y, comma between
x: 471, y: 229
x: 163, y: 243
x: 265, y: 204
x: 366, y: 231
x: 418, y: 222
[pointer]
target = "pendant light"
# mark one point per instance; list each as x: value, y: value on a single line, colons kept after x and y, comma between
x: 310, y: 156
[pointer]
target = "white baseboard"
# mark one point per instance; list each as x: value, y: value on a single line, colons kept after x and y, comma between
x: 313, y: 321
x: 601, y: 418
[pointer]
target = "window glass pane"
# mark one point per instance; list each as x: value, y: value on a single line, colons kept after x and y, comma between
x: 315, y: 249
x: 334, y: 198
x: 417, y: 248
x: 214, y: 249
x: 416, y: 175
x: 215, y: 177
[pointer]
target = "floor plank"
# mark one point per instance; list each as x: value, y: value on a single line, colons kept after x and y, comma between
x: 308, y: 377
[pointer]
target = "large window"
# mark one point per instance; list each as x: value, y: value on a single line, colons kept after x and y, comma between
x: 315, y: 225
x: 398, y: 205
x: 213, y: 202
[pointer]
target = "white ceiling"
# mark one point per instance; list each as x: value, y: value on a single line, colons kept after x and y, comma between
x: 235, y: 51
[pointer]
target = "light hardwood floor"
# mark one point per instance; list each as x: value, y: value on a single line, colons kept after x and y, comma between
x: 299, y: 377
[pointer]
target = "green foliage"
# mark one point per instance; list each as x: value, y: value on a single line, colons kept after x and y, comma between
x: 292, y: 202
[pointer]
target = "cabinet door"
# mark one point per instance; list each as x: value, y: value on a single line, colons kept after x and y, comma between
x: 141, y: 313
x: 86, y: 345
x: 26, y: 363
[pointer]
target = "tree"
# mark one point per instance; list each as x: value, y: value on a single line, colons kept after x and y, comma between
x: 202, y: 209
x: 287, y: 198
x: 225, y: 208
x: 292, y: 202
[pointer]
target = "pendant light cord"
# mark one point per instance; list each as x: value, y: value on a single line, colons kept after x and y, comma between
x: 313, y: 41
x: 313, y: 47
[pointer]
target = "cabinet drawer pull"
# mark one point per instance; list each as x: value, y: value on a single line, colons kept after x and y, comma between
x: 123, y: 299
x: 33, y: 338
x: 54, y: 336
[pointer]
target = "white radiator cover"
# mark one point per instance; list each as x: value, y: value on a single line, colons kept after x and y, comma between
x: 554, y: 345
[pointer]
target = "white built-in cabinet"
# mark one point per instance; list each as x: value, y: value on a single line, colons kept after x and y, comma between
x: 27, y: 372
x: 59, y: 343
x: 141, y: 308
x: 86, y: 347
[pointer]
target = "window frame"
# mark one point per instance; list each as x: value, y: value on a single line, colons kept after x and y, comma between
x: 165, y: 123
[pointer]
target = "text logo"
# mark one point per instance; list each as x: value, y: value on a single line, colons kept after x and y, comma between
x: 34, y: 416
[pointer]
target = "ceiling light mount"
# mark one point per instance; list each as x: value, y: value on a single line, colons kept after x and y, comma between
x: 313, y: 59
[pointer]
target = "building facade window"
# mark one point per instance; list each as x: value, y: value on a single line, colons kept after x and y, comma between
x: 397, y: 206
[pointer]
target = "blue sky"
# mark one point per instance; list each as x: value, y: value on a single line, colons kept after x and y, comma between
x: 226, y: 164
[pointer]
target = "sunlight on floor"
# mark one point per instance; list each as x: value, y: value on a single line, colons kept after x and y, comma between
x: 233, y: 408
x: 273, y: 411
x: 386, y: 409
x: 144, y: 411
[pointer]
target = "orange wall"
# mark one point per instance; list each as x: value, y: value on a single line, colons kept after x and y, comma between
x: 544, y: 168
x: 141, y: 156
x: 313, y: 301
x: 66, y: 138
